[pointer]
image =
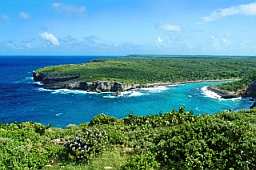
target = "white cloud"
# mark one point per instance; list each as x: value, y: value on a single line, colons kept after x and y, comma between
x: 24, y: 15
x: 50, y: 38
x: 170, y: 27
x: 244, y: 9
x: 69, y: 9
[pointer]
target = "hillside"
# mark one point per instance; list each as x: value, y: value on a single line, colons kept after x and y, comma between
x: 246, y: 86
x: 175, y: 140
x: 135, y: 72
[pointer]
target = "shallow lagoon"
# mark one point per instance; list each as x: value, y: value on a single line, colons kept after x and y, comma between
x: 22, y: 100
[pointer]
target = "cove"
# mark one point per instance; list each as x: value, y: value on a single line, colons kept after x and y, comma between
x: 22, y: 100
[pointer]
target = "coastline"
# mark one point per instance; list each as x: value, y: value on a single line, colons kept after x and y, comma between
x: 131, y: 87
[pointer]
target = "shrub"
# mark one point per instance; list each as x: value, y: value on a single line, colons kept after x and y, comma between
x: 144, y: 161
x: 102, y: 119
x: 210, y: 143
x: 90, y: 143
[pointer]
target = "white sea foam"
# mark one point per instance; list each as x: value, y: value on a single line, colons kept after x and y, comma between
x: 42, y: 89
x: 110, y: 97
x: 66, y: 91
x: 38, y: 83
x: 59, y: 114
x: 28, y: 78
x: 209, y: 93
x: 234, y: 99
x: 157, y: 89
x: 133, y: 93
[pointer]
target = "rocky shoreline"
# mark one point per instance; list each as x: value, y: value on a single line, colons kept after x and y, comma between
x: 249, y: 92
x: 222, y: 93
x: 72, y: 82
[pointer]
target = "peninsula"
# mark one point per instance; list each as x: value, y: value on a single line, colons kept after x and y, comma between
x: 132, y: 72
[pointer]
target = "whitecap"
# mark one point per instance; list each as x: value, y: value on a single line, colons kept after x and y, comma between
x: 58, y: 114
x: 38, y: 83
x: 209, y: 93
x: 157, y: 89
x: 67, y: 91
x: 110, y: 97
x: 47, y: 90
x: 133, y: 93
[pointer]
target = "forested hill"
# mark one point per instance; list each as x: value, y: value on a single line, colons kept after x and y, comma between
x: 175, y: 140
x: 153, y: 69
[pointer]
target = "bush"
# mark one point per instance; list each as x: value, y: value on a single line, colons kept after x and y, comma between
x: 210, y: 143
x: 141, y: 162
x: 91, y: 142
x: 102, y: 119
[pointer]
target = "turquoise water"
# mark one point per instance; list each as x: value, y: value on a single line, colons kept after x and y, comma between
x: 22, y: 100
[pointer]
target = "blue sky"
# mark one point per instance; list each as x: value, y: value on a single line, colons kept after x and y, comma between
x: 121, y: 27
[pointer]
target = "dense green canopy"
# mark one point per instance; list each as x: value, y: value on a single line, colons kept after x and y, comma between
x: 158, y: 69
x: 175, y: 140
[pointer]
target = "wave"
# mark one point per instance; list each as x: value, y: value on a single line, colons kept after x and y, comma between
x: 58, y: 114
x: 157, y: 89
x: 47, y: 90
x: 140, y: 92
x: 38, y: 83
x: 132, y: 93
x: 66, y: 91
x: 125, y: 94
x: 211, y: 94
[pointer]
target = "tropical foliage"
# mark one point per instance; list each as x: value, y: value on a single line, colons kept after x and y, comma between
x: 157, y: 69
x: 175, y: 140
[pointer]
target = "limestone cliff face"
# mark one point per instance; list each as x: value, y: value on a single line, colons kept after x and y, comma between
x: 251, y: 90
x: 72, y: 82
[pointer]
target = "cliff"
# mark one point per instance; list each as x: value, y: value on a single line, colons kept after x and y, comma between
x: 71, y: 81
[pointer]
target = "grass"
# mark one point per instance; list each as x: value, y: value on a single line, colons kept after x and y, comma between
x: 109, y: 160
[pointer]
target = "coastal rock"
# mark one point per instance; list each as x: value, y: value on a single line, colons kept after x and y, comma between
x: 49, y: 79
x: 72, y: 82
x: 222, y: 93
x: 251, y: 90
x: 38, y: 76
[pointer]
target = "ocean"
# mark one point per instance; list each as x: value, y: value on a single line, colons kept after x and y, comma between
x: 21, y: 99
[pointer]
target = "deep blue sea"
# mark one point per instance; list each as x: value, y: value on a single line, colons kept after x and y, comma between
x: 23, y: 100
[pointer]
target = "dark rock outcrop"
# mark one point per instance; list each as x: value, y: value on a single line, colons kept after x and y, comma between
x: 46, y: 79
x: 72, y: 82
x: 222, y: 93
x: 251, y: 90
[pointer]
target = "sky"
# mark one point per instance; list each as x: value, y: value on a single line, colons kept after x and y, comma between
x: 123, y: 27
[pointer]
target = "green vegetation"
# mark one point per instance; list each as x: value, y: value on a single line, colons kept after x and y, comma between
x: 239, y: 85
x: 176, y: 140
x: 157, y: 69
